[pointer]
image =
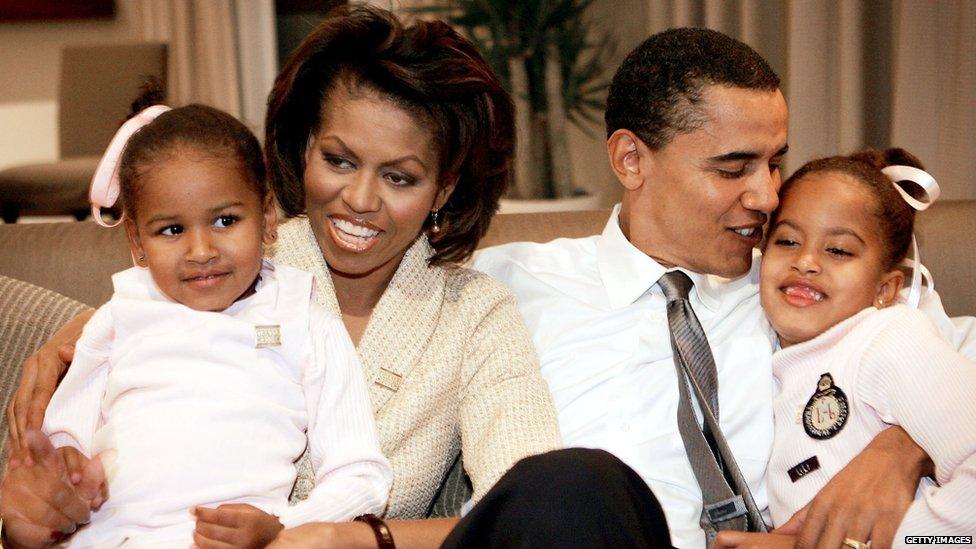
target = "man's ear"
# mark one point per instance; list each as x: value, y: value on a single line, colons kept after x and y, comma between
x: 135, y: 241
x: 625, y: 149
x: 270, y: 220
x: 888, y: 288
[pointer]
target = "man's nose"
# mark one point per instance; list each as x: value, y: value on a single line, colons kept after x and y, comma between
x: 762, y: 192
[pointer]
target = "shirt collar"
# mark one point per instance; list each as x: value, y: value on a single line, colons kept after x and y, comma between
x: 627, y: 272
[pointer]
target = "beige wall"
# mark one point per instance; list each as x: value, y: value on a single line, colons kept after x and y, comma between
x: 855, y: 74
x: 626, y: 20
x: 29, y: 65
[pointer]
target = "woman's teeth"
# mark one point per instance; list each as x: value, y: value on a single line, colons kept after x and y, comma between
x: 804, y: 292
x: 354, y: 229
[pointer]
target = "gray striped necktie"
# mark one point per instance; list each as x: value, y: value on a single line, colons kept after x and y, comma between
x: 728, y: 504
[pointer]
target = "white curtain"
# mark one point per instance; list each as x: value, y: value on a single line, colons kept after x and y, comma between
x: 202, y: 50
x: 257, y: 57
x: 860, y: 73
x: 221, y: 52
x: 934, y: 99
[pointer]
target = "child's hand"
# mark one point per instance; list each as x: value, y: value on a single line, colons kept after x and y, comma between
x: 86, y: 475
x: 234, y: 524
x: 730, y: 539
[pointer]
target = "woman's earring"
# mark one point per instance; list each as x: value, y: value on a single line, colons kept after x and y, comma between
x: 435, y: 227
x: 142, y: 259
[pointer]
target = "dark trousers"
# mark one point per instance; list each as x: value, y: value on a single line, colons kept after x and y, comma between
x: 567, y: 498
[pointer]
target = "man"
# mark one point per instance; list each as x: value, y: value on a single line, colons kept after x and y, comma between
x: 697, y: 129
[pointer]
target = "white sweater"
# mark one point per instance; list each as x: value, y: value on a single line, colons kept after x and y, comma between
x: 193, y: 411
x: 895, y: 370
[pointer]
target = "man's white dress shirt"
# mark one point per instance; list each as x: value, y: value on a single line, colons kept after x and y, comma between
x: 599, y: 323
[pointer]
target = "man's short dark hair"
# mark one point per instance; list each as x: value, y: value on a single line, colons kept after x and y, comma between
x: 657, y: 89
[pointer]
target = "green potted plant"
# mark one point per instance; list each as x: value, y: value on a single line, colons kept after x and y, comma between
x: 552, y: 61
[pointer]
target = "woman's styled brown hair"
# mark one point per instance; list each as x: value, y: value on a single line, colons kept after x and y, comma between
x: 429, y: 70
x: 895, y: 217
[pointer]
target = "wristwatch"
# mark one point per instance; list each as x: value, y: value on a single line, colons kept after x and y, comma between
x: 384, y: 539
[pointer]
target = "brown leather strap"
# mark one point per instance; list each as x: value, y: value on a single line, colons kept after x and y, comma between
x: 384, y: 539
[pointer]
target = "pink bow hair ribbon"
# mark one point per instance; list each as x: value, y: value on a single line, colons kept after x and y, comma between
x: 928, y: 184
x: 105, y: 189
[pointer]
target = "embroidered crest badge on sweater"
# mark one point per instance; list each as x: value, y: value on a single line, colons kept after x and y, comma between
x: 826, y: 412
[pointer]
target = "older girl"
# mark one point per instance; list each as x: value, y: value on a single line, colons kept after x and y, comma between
x: 855, y: 358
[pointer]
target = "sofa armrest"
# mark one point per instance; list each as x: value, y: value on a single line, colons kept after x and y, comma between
x: 29, y: 316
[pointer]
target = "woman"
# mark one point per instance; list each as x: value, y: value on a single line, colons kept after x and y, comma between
x: 391, y: 147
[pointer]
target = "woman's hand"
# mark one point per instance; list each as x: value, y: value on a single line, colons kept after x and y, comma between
x: 729, y: 539
x: 39, y: 378
x: 234, y: 525
x: 39, y: 503
x: 326, y: 535
x: 86, y: 475
x: 867, y: 499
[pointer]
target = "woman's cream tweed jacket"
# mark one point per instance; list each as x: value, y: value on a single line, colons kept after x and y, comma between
x: 450, y: 366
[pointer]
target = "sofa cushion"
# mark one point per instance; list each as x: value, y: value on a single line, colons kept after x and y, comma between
x: 73, y: 259
x: 29, y: 316
x: 944, y: 233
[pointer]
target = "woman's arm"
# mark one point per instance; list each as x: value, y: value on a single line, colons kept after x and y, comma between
x: 40, y: 503
x: 407, y: 534
x: 39, y: 378
x: 45, y: 489
x: 506, y: 408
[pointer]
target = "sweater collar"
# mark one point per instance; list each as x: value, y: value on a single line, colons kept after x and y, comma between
x: 627, y: 273
x: 403, y: 321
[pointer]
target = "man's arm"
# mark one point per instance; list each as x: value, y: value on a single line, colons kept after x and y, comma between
x: 866, y: 499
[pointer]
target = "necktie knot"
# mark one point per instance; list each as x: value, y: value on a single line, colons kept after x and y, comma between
x: 675, y: 285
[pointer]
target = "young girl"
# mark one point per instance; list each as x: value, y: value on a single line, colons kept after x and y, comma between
x: 855, y: 359
x: 197, y: 383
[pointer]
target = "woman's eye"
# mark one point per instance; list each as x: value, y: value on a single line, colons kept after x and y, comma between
x: 171, y: 230
x: 399, y: 179
x: 841, y: 252
x: 225, y: 221
x: 785, y: 242
x: 338, y: 162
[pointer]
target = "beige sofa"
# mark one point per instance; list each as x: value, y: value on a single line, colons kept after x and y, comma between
x: 76, y: 259
x: 50, y: 272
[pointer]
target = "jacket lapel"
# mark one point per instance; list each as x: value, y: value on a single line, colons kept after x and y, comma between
x: 403, y: 321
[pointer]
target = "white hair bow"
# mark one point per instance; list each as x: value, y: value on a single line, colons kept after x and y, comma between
x: 105, y: 189
x: 927, y: 183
